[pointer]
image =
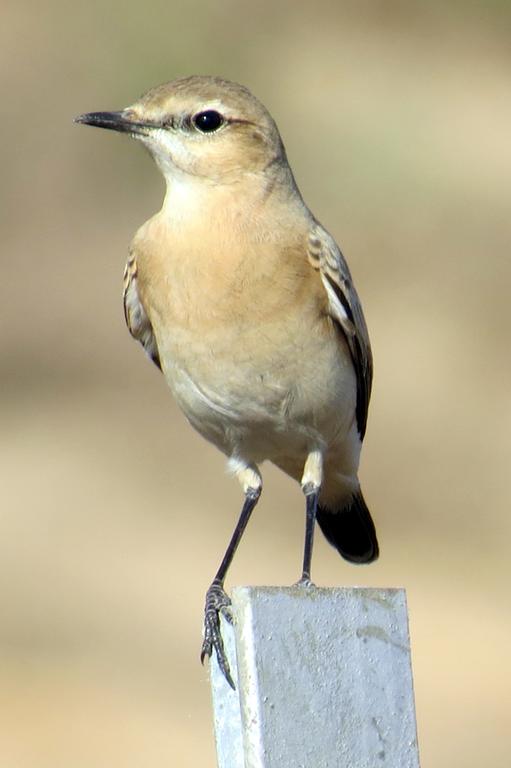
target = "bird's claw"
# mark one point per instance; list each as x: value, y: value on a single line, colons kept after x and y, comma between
x: 304, y: 582
x: 217, y: 601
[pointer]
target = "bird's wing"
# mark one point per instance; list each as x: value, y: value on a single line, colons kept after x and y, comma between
x: 346, y: 311
x: 135, y: 314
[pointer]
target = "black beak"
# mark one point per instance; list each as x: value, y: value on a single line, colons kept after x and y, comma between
x: 116, y: 121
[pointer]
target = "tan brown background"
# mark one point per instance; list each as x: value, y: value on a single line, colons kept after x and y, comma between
x: 114, y: 513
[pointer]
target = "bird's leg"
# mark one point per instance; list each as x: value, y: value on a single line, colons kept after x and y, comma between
x: 311, y: 486
x: 311, y: 495
x: 217, y: 600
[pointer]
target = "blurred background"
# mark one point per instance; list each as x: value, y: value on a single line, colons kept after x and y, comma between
x: 396, y: 117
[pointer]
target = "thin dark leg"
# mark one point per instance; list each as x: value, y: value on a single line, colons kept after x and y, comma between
x: 312, y: 495
x: 217, y: 599
x: 251, y: 499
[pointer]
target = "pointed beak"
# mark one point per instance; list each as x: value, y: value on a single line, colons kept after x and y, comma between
x: 117, y: 121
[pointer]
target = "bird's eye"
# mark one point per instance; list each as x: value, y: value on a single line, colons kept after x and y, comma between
x: 208, y: 121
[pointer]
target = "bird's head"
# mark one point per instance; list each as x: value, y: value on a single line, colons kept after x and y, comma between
x: 203, y: 127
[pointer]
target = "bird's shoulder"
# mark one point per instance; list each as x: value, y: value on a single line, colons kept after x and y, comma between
x: 345, y: 309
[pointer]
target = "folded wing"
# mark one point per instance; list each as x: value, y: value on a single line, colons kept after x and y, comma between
x: 346, y: 311
x: 135, y: 314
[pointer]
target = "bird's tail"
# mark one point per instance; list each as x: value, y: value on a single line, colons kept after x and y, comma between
x: 350, y: 529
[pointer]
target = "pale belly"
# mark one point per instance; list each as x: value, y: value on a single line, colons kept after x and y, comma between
x: 263, y: 396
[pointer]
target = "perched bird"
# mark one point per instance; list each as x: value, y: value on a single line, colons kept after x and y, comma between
x: 246, y: 304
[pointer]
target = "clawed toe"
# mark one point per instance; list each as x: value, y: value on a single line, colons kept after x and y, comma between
x: 305, y: 581
x: 217, y: 601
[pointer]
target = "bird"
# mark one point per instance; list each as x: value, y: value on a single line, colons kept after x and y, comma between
x: 246, y: 304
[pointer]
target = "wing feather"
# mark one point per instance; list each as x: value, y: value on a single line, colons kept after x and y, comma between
x: 136, y: 318
x: 346, y: 311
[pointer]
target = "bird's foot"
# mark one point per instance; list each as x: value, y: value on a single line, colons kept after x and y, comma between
x: 217, y: 601
x: 305, y: 582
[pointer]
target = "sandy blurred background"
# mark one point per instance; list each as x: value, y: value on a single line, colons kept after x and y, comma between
x: 396, y: 117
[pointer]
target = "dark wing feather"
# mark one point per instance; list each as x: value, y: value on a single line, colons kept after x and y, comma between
x: 135, y: 314
x: 346, y: 311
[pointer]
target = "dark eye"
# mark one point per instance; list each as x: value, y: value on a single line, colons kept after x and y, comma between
x: 208, y: 121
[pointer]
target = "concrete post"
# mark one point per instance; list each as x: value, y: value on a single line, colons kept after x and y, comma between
x: 323, y: 680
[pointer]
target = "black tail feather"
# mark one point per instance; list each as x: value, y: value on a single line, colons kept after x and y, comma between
x: 350, y: 530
